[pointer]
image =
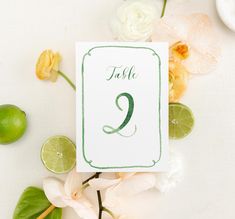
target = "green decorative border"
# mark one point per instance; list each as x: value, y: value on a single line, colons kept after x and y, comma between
x: 154, y: 162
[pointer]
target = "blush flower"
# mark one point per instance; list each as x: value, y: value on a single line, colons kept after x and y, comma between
x: 47, y: 66
x: 197, y: 31
x: 69, y: 194
x: 134, y: 20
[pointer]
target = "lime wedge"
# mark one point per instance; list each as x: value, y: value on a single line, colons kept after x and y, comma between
x: 58, y: 154
x: 181, y: 120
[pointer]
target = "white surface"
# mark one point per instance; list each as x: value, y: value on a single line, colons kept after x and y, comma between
x: 29, y: 26
x: 113, y: 152
x: 226, y: 10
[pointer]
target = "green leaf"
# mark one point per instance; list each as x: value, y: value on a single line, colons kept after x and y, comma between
x: 56, y: 214
x: 32, y: 203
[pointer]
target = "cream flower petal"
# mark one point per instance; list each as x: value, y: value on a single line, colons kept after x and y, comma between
x: 204, y: 48
x: 166, y: 181
x: 124, y: 175
x: 54, y: 191
x: 129, y: 187
x: 111, y: 199
x: 135, y: 184
x: 101, y: 184
x: 73, y: 182
x: 82, y: 207
x: 123, y: 217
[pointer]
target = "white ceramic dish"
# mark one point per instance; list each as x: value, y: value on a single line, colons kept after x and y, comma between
x: 226, y: 11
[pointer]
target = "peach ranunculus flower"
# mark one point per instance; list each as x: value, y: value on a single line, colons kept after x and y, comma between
x: 48, y: 65
x: 178, y: 80
x: 178, y: 75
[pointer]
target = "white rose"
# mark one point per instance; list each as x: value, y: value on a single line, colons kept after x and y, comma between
x: 134, y: 20
x: 167, y: 180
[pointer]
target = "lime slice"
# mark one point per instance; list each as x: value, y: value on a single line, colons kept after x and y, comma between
x: 181, y: 120
x: 58, y: 154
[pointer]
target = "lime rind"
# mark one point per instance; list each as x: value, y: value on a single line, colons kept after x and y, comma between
x: 13, y: 123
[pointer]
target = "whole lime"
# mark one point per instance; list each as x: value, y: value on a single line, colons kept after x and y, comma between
x: 13, y: 123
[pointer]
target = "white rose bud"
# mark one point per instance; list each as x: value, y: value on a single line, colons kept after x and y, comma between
x: 134, y: 20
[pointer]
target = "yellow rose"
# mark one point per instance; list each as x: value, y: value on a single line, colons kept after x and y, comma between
x: 48, y: 65
x: 178, y: 80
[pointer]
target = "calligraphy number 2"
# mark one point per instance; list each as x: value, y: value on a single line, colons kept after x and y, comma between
x: 109, y: 129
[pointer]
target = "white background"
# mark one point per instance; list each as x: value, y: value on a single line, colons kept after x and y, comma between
x: 29, y: 26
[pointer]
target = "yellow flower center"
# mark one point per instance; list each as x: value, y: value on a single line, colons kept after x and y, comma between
x: 179, y: 51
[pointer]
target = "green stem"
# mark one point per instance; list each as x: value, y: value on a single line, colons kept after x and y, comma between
x: 100, y: 204
x: 84, y: 186
x: 164, y: 8
x: 99, y: 198
x: 67, y: 79
x: 109, y: 212
x: 92, y: 177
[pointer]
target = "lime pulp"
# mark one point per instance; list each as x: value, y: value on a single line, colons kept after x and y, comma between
x: 181, y: 120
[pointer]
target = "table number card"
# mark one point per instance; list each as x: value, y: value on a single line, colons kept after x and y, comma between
x: 122, y: 107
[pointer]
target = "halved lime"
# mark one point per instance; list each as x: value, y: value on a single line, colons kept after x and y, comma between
x: 58, y: 154
x: 181, y: 120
